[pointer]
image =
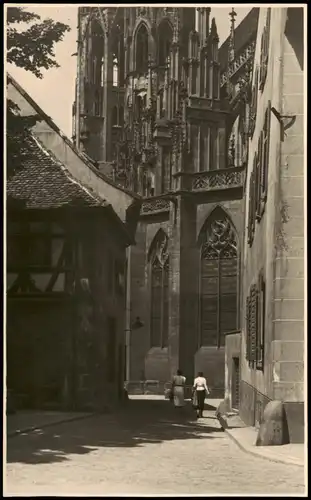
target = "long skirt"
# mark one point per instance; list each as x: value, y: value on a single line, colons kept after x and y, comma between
x: 201, y: 399
x: 179, y: 396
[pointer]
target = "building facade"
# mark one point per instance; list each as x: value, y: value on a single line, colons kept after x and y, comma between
x: 265, y: 362
x: 67, y: 234
x: 164, y: 111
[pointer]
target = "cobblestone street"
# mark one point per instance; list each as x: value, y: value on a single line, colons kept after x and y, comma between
x: 149, y: 448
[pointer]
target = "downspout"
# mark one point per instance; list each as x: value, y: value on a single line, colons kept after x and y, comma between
x: 128, y: 315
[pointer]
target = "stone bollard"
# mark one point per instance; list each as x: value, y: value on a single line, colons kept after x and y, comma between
x: 273, y: 430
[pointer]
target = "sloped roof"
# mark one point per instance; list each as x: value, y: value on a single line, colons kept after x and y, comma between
x: 246, y: 30
x: 43, y: 182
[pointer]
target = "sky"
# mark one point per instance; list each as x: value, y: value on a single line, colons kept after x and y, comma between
x: 54, y: 93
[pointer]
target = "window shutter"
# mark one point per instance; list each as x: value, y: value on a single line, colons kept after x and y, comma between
x: 249, y: 225
x: 251, y: 210
x: 257, y: 181
x: 258, y: 330
x: 248, y: 330
x: 253, y: 203
x: 265, y: 157
x: 261, y: 323
x: 253, y: 319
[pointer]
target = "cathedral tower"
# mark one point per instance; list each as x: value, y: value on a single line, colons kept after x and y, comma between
x: 162, y: 109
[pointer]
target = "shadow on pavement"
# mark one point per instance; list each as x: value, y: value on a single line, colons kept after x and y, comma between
x: 138, y: 423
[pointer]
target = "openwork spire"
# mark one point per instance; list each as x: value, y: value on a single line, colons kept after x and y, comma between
x: 231, y: 51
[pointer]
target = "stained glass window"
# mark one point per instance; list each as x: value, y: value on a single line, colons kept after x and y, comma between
x: 219, y: 280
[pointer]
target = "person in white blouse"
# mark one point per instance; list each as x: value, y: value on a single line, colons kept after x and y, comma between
x: 200, y: 390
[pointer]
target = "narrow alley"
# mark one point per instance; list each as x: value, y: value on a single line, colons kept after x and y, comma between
x: 147, y: 448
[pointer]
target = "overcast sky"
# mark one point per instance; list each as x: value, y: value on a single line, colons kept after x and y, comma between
x: 55, y: 92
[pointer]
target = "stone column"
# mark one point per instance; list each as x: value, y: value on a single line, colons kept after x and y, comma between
x: 183, y: 288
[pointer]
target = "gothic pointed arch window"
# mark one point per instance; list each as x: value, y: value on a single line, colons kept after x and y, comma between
x: 142, y: 49
x: 159, y: 269
x: 115, y: 71
x: 165, y: 37
x: 219, y: 279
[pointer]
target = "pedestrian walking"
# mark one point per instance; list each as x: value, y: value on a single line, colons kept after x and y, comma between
x: 200, y: 391
x: 178, y: 389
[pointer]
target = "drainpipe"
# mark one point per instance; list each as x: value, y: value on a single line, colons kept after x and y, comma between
x: 128, y: 315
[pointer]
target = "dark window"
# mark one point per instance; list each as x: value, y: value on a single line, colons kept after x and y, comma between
x: 159, y: 291
x: 142, y: 50
x: 39, y: 251
x: 30, y: 246
x: 218, y: 281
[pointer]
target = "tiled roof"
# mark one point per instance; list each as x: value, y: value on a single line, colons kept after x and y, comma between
x: 44, y: 183
x: 246, y: 30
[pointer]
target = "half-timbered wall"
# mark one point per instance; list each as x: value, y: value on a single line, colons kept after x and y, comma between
x: 68, y: 308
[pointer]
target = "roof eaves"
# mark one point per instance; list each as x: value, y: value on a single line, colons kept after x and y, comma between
x: 52, y: 124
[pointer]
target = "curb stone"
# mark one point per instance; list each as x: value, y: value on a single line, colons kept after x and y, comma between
x: 272, y: 458
x: 33, y: 428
